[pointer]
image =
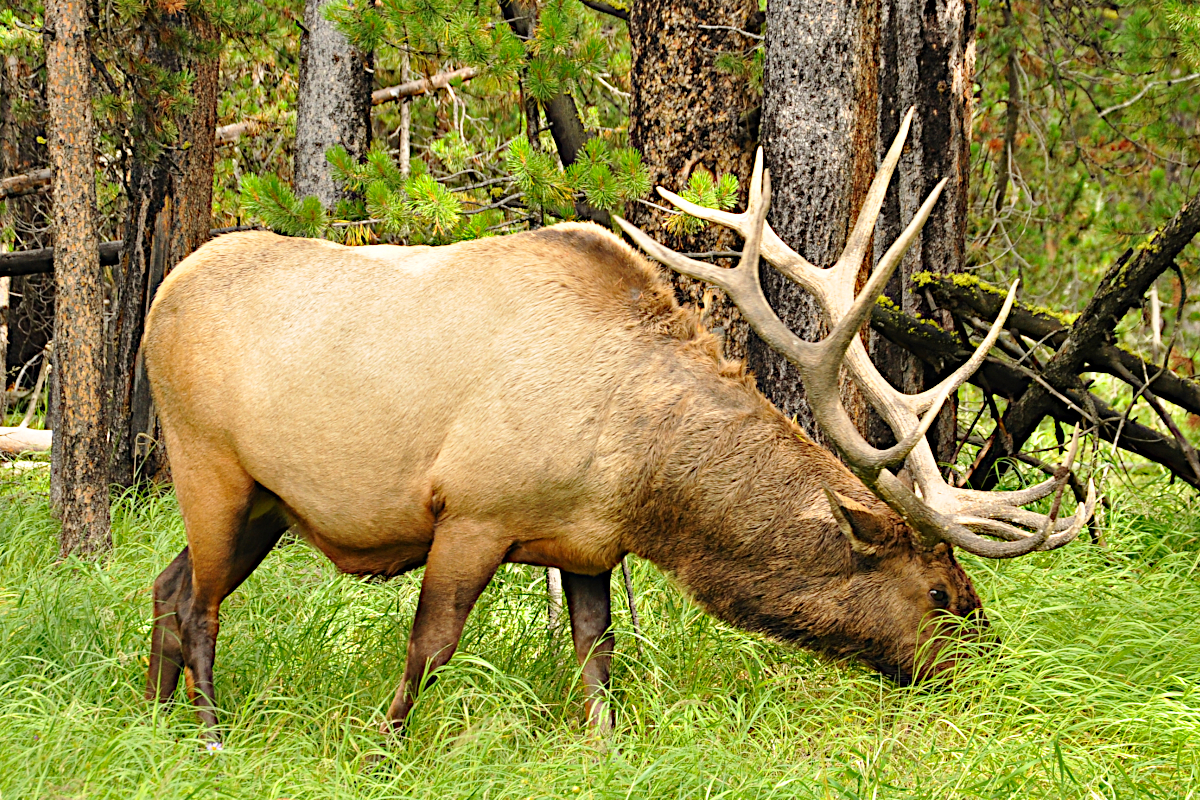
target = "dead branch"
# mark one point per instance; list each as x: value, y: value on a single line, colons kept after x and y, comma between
x: 1069, y: 403
x: 36, y: 394
x: 421, y: 86
x: 982, y: 300
x: 1122, y: 288
x: 24, y: 440
x: 29, y: 183
x: 554, y: 598
x: 629, y: 598
x: 228, y: 134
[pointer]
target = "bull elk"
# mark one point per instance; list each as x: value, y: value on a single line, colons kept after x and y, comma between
x: 542, y: 399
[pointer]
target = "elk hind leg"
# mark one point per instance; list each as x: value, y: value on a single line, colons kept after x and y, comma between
x: 589, y: 603
x: 231, y: 525
x: 166, y: 648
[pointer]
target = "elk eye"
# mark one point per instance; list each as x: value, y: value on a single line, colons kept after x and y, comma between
x: 939, y: 597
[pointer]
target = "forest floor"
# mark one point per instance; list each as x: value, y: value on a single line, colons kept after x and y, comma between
x: 1094, y: 692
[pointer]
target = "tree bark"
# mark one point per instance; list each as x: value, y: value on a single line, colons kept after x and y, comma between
x: 333, y: 104
x: 168, y: 216
x: 927, y: 60
x: 687, y: 115
x: 838, y: 79
x: 79, y: 474
x: 820, y: 138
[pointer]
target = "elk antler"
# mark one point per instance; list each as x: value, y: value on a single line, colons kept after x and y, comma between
x: 942, y: 512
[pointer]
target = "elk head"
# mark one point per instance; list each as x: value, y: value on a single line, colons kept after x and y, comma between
x: 912, y: 538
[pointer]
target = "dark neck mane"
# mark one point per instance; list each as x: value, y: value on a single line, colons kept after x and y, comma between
x: 730, y: 501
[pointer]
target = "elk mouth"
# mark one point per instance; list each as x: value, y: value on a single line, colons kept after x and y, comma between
x: 969, y: 637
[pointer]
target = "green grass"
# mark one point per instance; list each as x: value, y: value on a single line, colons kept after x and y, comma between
x: 1094, y: 693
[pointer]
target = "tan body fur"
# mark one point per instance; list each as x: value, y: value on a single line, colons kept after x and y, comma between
x: 538, y: 398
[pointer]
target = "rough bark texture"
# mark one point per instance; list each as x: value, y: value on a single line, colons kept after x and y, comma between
x: 168, y: 216
x: 838, y: 79
x: 79, y: 474
x: 686, y: 115
x: 927, y: 60
x: 334, y: 104
x: 819, y: 142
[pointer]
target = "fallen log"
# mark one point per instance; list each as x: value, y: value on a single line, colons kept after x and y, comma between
x: 30, y: 262
x: 24, y: 440
x: 963, y: 294
x: 1071, y: 404
x: 1123, y: 288
x: 20, y: 467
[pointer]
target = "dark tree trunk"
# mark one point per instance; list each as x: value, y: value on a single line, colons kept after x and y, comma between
x: 79, y: 474
x: 29, y: 315
x: 927, y: 60
x: 168, y: 216
x: 686, y: 115
x: 333, y: 104
x: 838, y: 79
x: 562, y: 115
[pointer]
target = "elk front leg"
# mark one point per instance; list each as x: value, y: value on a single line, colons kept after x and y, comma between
x: 461, y: 562
x: 590, y: 606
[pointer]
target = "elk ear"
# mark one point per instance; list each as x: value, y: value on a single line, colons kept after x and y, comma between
x: 861, y: 526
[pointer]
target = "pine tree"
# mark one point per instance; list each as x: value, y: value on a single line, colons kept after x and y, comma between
x: 476, y: 171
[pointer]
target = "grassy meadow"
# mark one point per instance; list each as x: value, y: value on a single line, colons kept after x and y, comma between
x: 1094, y: 692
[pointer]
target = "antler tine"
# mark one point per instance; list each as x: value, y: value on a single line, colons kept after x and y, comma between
x: 1081, y: 518
x: 935, y: 396
x: 741, y: 283
x: 935, y: 526
x: 822, y: 383
x: 996, y: 513
x: 700, y: 270
x: 793, y: 265
x: 942, y: 512
x: 860, y: 237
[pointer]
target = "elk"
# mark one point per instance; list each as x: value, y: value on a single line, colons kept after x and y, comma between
x: 542, y: 399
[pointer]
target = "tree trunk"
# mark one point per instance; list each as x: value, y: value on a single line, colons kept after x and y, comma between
x: 686, y: 115
x: 927, y: 60
x: 30, y: 312
x: 169, y: 214
x: 820, y: 135
x: 562, y: 115
x: 838, y: 80
x: 79, y: 474
x: 334, y: 104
